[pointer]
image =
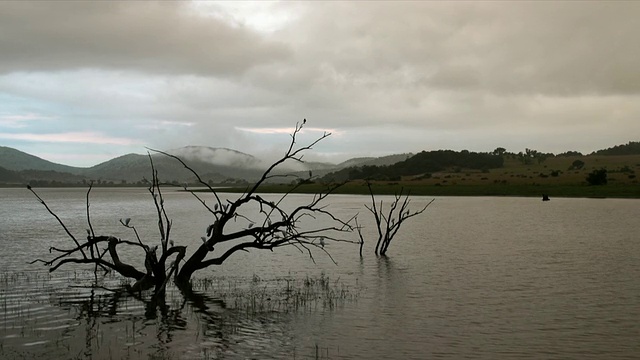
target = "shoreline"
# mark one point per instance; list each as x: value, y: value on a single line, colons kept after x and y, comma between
x: 359, y: 188
x: 570, y: 191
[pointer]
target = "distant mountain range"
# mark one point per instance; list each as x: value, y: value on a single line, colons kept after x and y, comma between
x: 214, y: 165
x: 227, y: 166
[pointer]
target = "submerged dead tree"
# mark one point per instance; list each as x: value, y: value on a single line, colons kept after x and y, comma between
x: 265, y: 225
x: 389, y: 222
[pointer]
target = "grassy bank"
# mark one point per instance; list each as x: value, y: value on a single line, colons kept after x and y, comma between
x: 614, y: 191
x: 556, y: 177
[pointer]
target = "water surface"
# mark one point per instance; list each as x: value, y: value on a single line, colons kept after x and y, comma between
x: 479, y: 278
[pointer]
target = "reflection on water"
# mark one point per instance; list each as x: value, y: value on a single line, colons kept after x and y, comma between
x: 56, y: 320
x: 480, y: 278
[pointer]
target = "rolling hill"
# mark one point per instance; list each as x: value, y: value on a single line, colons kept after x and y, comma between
x: 216, y: 165
x: 16, y: 160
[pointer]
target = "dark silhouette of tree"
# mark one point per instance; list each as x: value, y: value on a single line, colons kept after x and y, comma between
x: 268, y: 225
x: 499, y: 151
x: 597, y: 177
x: 421, y: 163
x: 577, y: 165
x: 389, y: 221
x: 525, y: 157
x: 631, y: 148
x: 570, y: 153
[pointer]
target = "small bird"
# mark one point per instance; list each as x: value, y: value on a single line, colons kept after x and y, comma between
x: 304, y: 121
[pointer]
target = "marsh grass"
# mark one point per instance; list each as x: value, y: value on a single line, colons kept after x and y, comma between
x: 281, y: 294
x: 67, y: 313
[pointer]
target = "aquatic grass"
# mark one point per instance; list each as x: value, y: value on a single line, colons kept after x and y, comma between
x: 280, y: 294
x: 229, y: 302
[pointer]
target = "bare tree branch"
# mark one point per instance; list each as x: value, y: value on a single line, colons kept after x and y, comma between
x: 388, y: 223
x: 270, y: 224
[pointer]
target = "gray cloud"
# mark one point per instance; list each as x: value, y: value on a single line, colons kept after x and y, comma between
x: 160, y: 37
x: 519, y: 47
x: 391, y: 76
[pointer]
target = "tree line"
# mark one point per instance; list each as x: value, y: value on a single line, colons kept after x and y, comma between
x: 421, y: 163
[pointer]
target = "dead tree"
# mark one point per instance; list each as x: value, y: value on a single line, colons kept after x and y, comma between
x: 269, y: 227
x: 388, y: 222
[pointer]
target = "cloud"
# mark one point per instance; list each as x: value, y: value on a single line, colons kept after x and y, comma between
x: 21, y: 120
x: 149, y: 37
x: 519, y: 47
x: 70, y: 137
x: 384, y: 77
x: 286, y: 130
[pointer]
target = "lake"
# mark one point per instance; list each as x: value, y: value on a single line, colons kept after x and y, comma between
x: 472, y: 277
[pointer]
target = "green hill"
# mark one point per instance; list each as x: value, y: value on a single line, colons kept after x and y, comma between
x: 9, y: 176
x: 135, y: 167
x: 421, y: 164
x: 631, y: 148
x: 16, y: 160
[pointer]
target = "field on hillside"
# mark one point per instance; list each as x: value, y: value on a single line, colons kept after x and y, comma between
x: 552, y: 177
x: 621, y: 170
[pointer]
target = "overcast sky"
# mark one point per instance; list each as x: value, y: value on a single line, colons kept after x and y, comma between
x: 82, y: 82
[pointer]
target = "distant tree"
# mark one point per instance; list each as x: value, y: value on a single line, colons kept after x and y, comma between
x: 541, y: 157
x: 576, y: 165
x: 531, y: 154
x: 570, y: 153
x: 527, y: 157
x: 388, y: 221
x: 631, y: 148
x: 499, y: 151
x: 597, y: 177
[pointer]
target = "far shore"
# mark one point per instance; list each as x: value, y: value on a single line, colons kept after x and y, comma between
x: 391, y: 188
x: 359, y: 188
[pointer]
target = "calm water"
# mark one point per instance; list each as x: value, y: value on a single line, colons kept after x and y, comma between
x: 479, y: 278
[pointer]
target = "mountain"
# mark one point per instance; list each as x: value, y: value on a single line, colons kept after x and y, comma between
x: 217, y: 165
x: 213, y: 164
x: 16, y: 160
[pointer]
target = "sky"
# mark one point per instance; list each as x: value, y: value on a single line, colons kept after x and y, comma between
x: 83, y: 82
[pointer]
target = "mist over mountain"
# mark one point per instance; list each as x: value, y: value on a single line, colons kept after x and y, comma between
x: 135, y: 167
x: 213, y: 165
x: 217, y: 156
